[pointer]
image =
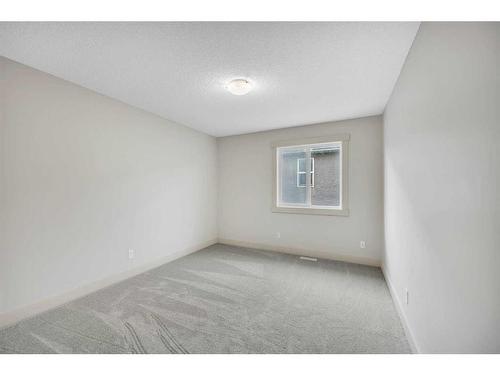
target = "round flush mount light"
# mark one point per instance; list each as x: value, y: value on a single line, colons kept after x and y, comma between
x: 239, y: 86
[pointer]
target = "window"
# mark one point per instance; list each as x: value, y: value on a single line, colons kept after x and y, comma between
x: 311, y: 176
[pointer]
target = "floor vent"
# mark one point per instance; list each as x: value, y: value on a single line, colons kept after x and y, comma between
x: 309, y: 258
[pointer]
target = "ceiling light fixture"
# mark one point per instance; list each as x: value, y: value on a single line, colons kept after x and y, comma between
x: 239, y: 86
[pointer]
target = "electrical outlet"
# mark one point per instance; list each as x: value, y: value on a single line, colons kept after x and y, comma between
x: 278, y: 235
x: 407, y: 296
x: 362, y: 244
x: 131, y: 254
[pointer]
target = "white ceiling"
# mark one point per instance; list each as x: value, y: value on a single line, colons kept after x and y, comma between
x: 303, y: 73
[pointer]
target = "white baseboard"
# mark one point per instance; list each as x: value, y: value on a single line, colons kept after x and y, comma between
x: 399, y: 308
x: 14, y: 316
x: 306, y: 252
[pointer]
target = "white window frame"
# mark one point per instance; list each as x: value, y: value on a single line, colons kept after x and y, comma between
x: 343, y: 208
x: 299, y: 172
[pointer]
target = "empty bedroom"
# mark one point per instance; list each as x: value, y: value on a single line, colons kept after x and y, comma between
x: 266, y: 187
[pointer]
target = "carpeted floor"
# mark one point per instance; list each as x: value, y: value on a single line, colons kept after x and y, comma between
x: 225, y: 299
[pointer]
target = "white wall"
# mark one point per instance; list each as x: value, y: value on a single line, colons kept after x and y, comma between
x: 84, y: 178
x: 442, y: 188
x: 245, y: 195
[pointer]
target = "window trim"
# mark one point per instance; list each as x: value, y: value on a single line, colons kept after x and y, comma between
x: 344, y: 204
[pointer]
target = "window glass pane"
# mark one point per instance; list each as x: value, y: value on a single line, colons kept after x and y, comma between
x: 326, y: 190
x: 289, y: 162
x: 301, y: 179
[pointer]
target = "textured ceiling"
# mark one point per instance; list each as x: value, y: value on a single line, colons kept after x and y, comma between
x: 303, y: 73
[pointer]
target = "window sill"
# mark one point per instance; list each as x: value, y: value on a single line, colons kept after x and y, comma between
x: 311, y: 211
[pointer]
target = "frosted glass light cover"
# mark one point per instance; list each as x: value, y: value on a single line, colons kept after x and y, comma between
x: 239, y: 86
